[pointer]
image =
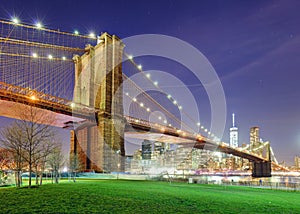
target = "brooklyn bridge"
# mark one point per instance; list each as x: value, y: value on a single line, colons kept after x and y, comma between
x: 79, y: 81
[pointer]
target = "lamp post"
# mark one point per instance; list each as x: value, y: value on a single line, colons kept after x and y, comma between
x: 118, y: 170
x: 118, y: 164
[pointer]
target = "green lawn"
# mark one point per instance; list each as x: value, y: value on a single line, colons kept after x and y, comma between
x: 117, y: 196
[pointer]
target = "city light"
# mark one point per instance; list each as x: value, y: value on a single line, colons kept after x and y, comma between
x: 174, y: 102
x: 198, y: 124
x: 180, y: 107
x: 169, y: 96
x: 148, y: 75
x: 130, y: 57
x: 33, y: 97
x: 72, y: 105
x: 134, y: 99
x: 15, y: 20
x: 139, y: 67
x: 76, y: 32
x: 92, y: 35
x: 155, y: 83
x: 50, y: 56
x: 142, y: 104
x: 64, y: 58
x: 34, y: 55
x: 39, y: 25
x: 148, y: 109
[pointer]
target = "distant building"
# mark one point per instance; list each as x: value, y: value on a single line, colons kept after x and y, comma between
x: 146, y: 150
x: 234, y: 137
x: 297, y: 162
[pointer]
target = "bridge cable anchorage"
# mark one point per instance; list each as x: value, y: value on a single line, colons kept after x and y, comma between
x: 139, y: 68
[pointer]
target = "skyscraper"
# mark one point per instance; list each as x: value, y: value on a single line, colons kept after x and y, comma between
x: 234, y: 139
x: 146, y: 150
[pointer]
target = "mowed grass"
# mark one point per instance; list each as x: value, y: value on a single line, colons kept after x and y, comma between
x: 119, y: 196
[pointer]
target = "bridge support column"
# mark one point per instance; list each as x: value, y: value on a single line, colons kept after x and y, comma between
x: 261, y: 169
x: 98, y: 85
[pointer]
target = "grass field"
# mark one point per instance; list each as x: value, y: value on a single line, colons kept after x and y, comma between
x: 117, y: 196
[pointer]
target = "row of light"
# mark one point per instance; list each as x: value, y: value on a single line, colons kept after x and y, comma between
x: 39, y: 25
x: 35, y: 55
x: 155, y: 83
x: 144, y: 107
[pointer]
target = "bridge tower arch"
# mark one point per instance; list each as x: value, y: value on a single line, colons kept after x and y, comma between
x: 99, y: 143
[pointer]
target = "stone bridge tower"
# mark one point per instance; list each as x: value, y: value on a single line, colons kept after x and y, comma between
x: 99, y: 142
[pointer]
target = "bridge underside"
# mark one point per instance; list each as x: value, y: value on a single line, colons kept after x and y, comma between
x: 65, y: 119
x: 12, y: 110
x: 159, y: 137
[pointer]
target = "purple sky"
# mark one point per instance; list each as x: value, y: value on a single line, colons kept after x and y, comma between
x: 254, y: 47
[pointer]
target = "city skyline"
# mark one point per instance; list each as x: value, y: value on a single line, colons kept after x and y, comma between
x: 251, y: 45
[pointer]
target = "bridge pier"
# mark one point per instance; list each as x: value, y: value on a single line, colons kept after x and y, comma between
x: 98, y: 85
x: 261, y: 169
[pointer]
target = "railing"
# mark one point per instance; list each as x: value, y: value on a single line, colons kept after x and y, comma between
x: 165, y: 129
x: 288, y: 186
x: 21, y: 94
x: 8, y: 88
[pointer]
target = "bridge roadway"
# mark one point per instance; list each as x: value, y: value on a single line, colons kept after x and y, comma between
x: 13, y: 98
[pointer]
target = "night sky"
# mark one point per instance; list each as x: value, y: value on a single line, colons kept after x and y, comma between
x: 254, y: 47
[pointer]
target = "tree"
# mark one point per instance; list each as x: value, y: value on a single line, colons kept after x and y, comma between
x: 37, y: 135
x: 56, y: 161
x: 12, y: 139
x: 74, y: 165
x: 40, y: 159
x: 6, y: 159
x: 30, y: 137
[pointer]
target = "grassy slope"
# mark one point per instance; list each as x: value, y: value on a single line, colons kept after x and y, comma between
x: 113, y: 196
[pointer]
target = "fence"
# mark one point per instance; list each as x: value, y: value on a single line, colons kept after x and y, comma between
x: 288, y: 186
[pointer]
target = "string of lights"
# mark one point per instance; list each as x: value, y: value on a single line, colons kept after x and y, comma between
x: 142, y: 105
x: 38, y: 25
x: 40, y: 59
x: 37, y: 44
x: 169, y: 96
